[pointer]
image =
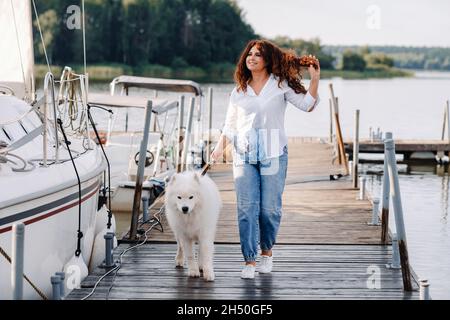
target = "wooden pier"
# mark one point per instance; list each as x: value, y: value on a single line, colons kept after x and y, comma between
x: 325, y: 248
x: 405, y: 147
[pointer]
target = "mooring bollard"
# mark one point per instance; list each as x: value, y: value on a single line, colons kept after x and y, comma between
x: 362, y: 188
x: 350, y: 167
x: 375, y: 219
x: 145, y: 216
x: 395, y: 254
x: 18, y: 239
x: 56, y: 287
x: 109, y: 262
x: 424, y: 289
x: 62, y: 275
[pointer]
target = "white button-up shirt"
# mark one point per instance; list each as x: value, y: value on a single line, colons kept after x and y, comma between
x: 255, y: 123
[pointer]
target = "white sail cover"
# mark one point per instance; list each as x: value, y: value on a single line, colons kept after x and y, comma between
x: 16, y: 48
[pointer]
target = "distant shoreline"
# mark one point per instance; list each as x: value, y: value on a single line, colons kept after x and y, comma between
x: 219, y: 73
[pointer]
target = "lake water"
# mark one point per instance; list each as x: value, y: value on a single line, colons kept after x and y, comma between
x: 411, y: 108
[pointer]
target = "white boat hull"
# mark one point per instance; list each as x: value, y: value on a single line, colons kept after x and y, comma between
x: 51, y: 224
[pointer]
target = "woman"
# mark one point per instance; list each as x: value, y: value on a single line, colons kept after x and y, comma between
x: 266, y: 79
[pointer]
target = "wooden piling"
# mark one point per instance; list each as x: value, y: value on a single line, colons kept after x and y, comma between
x: 140, y: 173
x: 356, y: 151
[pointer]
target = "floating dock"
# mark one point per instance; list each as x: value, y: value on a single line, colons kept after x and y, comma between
x: 325, y: 248
x: 405, y: 147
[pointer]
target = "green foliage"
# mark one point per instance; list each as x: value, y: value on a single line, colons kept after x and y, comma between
x: 174, y: 33
x: 353, y: 61
x: 435, y: 58
x: 378, y: 60
x: 303, y: 47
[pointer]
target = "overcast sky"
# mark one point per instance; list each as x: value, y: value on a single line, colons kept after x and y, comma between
x: 353, y: 22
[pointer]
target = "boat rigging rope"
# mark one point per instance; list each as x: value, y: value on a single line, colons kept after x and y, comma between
x: 39, y: 292
x: 79, y: 233
x: 119, y: 265
x: 84, y: 38
x: 107, y: 160
x: 18, y: 46
x: 42, y: 37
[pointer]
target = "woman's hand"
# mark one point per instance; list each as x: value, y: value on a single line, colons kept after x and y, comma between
x: 216, y: 155
x: 313, y: 72
x: 315, y: 76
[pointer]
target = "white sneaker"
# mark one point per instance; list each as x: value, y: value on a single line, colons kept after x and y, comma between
x: 266, y: 264
x: 248, y: 272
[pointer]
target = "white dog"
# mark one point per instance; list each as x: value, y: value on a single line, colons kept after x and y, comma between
x: 192, y: 206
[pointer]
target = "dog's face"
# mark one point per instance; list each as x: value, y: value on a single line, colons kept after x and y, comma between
x: 183, y: 190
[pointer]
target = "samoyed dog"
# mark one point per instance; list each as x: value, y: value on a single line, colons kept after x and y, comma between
x: 193, y: 205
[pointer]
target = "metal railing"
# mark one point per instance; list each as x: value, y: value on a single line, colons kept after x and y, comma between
x: 49, y: 80
x: 391, y: 190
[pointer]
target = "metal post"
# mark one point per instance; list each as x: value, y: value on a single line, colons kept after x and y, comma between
x: 140, y: 172
x: 84, y: 92
x: 180, y: 135
x: 424, y: 290
x: 398, y: 213
x: 362, y: 188
x: 356, y: 151
x: 56, y: 287
x: 444, y: 122
x: 44, y: 122
x: 210, y: 106
x: 395, y: 254
x: 448, y: 122
x: 126, y: 116
x: 187, y: 134
x: 109, y: 247
x: 385, y: 198
x: 350, y: 167
x: 17, y: 260
x: 375, y: 219
x: 145, y: 216
x: 62, y: 275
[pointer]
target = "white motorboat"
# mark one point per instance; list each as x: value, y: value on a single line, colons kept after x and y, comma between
x: 163, y: 146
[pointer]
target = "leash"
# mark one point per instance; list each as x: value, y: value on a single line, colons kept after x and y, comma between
x: 207, y: 166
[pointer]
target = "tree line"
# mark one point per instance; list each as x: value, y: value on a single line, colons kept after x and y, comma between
x: 156, y: 37
x: 139, y: 32
x: 427, y: 58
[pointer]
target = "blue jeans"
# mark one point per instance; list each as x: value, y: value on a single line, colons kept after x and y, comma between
x: 259, y: 190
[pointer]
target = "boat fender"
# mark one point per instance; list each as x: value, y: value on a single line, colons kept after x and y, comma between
x: 76, y: 271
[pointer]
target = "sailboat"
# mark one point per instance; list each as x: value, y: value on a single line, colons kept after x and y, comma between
x: 51, y: 170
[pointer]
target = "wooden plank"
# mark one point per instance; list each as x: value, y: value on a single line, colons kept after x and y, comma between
x: 300, y: 272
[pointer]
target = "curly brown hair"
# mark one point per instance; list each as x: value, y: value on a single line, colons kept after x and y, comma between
x: 284, y: 64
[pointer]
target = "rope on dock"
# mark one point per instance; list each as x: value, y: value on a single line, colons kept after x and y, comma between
x: 39, y: 292
x: 119, y: 265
